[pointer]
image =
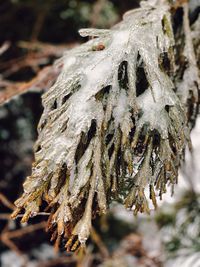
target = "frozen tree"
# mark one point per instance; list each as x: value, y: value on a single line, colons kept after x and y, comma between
x: 116, y: 121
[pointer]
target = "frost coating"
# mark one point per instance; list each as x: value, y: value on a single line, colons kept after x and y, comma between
x: 112, y: 124
x: 188, y: 88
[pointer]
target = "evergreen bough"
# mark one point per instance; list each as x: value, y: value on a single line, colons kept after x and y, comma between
x: 116, y: 121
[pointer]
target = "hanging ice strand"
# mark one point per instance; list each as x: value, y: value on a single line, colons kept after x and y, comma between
x: 112, y: 125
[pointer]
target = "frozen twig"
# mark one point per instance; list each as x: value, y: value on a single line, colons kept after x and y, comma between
x: 112, y: 125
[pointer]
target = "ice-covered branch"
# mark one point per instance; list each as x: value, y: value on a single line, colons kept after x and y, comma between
x: 112, y: 125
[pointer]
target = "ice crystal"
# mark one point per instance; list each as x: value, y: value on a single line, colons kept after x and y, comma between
x: 112, y: 125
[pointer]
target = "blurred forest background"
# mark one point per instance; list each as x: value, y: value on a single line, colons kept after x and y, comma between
x: 33, y: 35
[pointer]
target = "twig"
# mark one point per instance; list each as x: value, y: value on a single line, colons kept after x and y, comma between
x: 44, y: 79
x: 25, y: 230
x: 6, y: 202
x: 5, y: 216
x: 6, y: 237
x: 98, y: 241
x: 57, y: 262
x: 38, y: 24
x: 4, y: 47
x: 38, y: 214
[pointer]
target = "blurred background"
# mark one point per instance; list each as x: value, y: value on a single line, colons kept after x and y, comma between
x: 33, y: 36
